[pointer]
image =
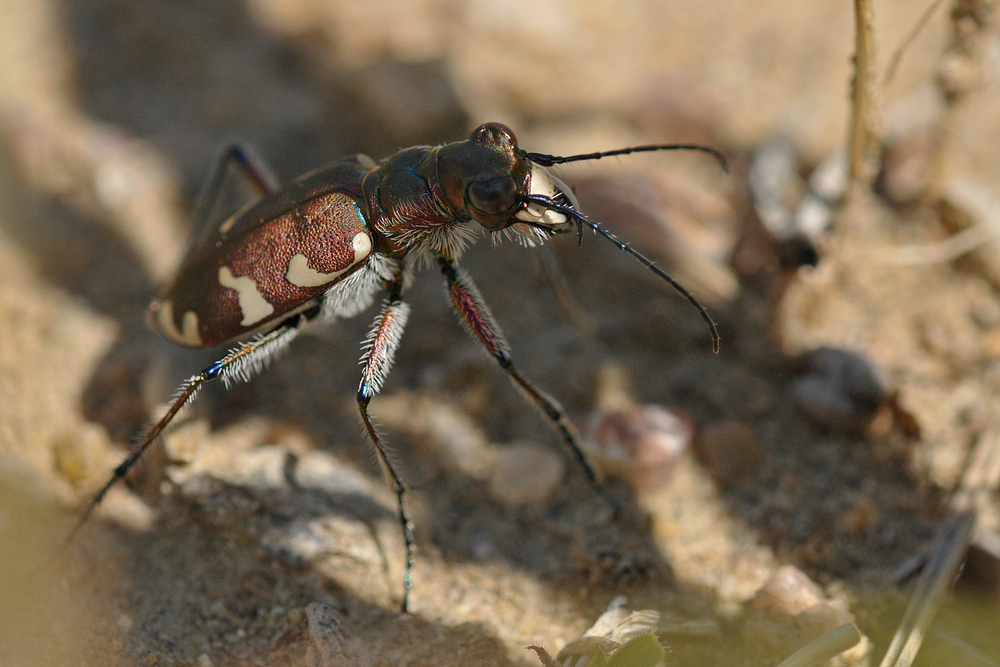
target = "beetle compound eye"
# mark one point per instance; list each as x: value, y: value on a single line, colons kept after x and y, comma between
x: 493, y: 196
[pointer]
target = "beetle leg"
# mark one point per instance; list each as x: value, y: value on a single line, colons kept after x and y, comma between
x: 240, y: 364
x: 249, y: 166
x: 378, y: 353
x: 477, y: 318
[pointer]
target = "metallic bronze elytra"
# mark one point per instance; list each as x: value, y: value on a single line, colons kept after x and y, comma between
x: 330, y: 241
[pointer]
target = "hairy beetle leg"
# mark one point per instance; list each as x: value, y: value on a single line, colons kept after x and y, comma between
x: 379, y: 352
x: 240, y: 364
x: 475, y: 315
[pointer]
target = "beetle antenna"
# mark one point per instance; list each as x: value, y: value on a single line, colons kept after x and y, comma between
x: 546, y: 160
x: 581, y: 220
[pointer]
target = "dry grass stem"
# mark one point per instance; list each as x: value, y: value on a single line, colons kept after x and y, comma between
x: 827, y: 647
x: 976, y: 202
x: 982, y: 473
x: 897, y: 55
x: 865, y: 116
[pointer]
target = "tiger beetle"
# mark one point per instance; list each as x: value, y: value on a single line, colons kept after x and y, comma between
x: 325, y: 245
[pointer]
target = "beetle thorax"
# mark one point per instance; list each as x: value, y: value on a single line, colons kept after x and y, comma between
x: 407, y: 207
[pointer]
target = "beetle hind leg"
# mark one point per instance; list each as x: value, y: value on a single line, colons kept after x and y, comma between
x: 240, y: 364
x: 479, y: 321
x: 247, y: 165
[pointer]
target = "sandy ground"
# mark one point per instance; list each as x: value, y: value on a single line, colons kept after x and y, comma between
x: 264, y: 518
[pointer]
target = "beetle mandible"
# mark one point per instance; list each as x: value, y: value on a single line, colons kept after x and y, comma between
x: 326, y: 244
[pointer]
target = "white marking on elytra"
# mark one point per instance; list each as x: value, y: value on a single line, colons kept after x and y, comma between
x: 188, y: 333
x: 300, y: 275
x: 541, y: 184
x: 253, y: 305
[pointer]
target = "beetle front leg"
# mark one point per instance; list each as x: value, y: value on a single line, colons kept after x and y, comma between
x: 379, y: 352
x: 476, y: 316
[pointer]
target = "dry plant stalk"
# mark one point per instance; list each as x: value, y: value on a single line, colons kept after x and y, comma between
x: 982, y: 474
x: 897, y: 55
x: 864, y: 137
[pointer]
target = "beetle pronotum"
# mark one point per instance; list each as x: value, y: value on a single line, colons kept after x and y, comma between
x: 330, y: 241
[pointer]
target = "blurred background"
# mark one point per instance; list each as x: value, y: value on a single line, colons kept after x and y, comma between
x: 790, y: 483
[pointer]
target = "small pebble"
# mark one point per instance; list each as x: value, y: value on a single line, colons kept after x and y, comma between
x: 127, y: 509
x: 481, y: 545
x: 204, y: 660
x: 219, y: 503
x: 641, y: 444
x: 790, y: 610
x: 524, y: 473
x: 827, y: 185
x: 839, y: 390
x: 788, y: 592
x: 182, y: 444
x: 774, y: 185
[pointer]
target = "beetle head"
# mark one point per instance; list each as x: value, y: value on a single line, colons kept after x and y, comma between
x: 487, y: 176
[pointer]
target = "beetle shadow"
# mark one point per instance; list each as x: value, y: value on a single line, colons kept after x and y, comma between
x: 837, y: 502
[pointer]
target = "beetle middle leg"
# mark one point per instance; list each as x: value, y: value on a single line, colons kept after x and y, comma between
x: 379, y: 352
x: 476, y: 316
